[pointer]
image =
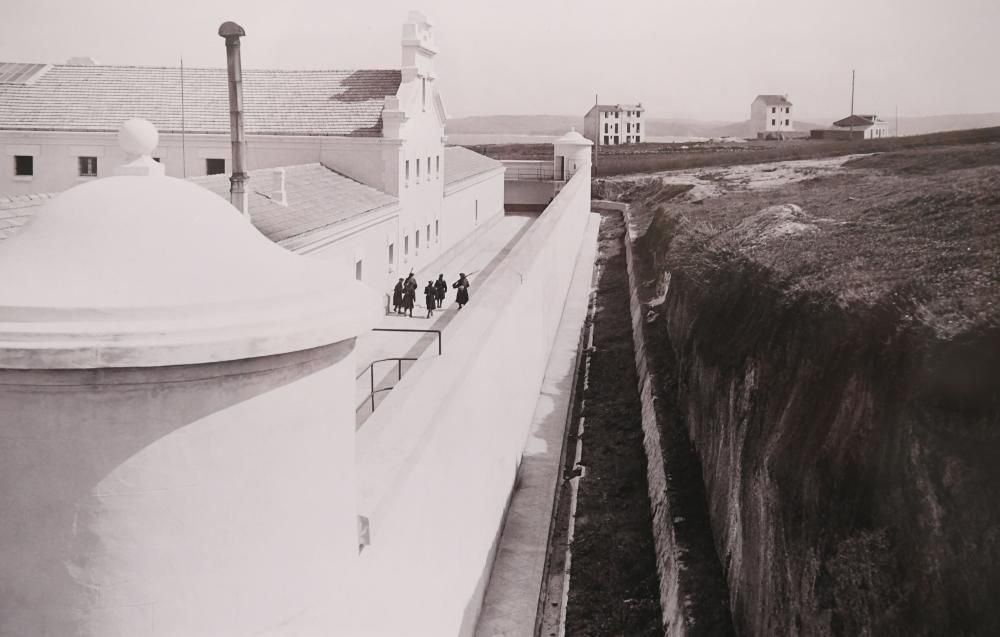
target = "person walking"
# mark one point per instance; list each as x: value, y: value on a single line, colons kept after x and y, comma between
x: 440, y: 290
x: 397, y: 296
x: 409, y: 294
x: 430, y: 298
x: 462, y: 285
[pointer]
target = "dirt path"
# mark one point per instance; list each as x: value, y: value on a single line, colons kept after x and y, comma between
x: 720, y: 180
x: 613, y: 586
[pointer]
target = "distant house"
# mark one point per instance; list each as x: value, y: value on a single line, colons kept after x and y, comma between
x: 771, y: 115
x: 613, y: 124
x: 870, y: 126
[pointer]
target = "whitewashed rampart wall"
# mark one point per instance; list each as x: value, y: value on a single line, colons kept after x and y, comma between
x: 436, y: 462
x: 117, y: 483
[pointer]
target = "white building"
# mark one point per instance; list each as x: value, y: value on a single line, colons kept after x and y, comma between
x: 863, y: 126
x: 771, y: 115
x: 181, y: 455
x: 367, y: 180
x: 611, y: 125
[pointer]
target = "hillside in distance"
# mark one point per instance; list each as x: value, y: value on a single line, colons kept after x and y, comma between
x: 680, y: 127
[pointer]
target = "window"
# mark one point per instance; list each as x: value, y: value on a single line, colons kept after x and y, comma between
x: 417, y: 240
x: 477, y: 211
x: 156, y: 159
x: 772, y: 122
x: 616, y: 139
x: 24, y: 165
x: 605, y: 140
x: 88, y: 166
x: 423, y: 92
x: 428, y: 233
x: 428, y: 168
x: 616, y: 128
x: 418, y: 169
x: 787, y: 122
x: 392, y: 255
x: 616, y: 115
x: 437, y: 229
x: 406, y: 245
x: 358, y: 268
x: 605, y: 127
x: 437, y: 166
x: 215, y: 166
x: 407, y: 171
x: 774, y: 110
x: 788, y: 110
x: 637, y: 128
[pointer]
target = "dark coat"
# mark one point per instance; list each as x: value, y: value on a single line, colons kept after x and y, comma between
x: 430, y: 296
x: 397, y: 295
x: 462, y: 285
x: 440, y: 288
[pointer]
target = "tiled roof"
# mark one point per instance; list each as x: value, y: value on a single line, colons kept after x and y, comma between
x: 15, y: 211
x: 857, y: 120
x: 100, y: 98
x: 615, y: 108
x: 461, y: 163
x: 316, y: 197
x: 774, y: 100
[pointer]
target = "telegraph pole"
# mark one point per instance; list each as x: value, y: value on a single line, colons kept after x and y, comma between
x: 852, y: 104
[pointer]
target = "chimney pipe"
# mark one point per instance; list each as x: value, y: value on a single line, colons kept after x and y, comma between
x: 238, y: 181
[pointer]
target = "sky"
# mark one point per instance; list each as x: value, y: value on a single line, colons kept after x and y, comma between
x: 698, y: 59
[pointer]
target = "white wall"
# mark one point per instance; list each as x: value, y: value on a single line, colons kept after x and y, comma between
x: 365, y: 239
x: 523, y: 193
x: 212, y: 499
x: 591, y: 125
x: 470, y: 204
x: 437, y: 460
x: 761, y: 117
x: 56, y: 165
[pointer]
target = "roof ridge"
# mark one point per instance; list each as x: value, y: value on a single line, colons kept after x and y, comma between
x: 196, y: 68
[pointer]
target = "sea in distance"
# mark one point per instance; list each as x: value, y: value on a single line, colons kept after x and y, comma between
x: 473, y: 139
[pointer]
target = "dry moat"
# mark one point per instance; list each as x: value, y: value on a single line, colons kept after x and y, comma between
x: 823, y: 344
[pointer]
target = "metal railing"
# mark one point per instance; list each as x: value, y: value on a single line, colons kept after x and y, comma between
x: 370, y: 370
x: 546, y: 172
x: 371, y: 374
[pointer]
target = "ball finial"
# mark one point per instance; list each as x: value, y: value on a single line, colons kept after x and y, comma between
x: 138, y: 137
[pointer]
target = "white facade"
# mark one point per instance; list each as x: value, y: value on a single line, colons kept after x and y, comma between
x: 612, y: 125
x: 405, y: 160
x: 771, y: 114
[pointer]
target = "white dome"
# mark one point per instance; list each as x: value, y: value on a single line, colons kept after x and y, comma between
x: 150, y: 271
x: 573, y: 138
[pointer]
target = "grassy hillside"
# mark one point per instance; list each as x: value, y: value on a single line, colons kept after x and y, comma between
x: 647, y: 158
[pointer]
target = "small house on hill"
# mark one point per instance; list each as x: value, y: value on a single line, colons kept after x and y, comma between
x: 854, y: 127
x: 770, y: 116
x: 613, y: 124
x: 870, y: 126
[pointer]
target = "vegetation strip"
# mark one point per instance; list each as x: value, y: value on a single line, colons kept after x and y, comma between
x: 614, y: 588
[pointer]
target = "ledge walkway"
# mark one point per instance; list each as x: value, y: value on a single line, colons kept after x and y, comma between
x: 479, y: 256
x: 511, y: 602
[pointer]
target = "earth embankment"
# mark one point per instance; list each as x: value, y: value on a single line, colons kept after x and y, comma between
x: 834, y: 354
